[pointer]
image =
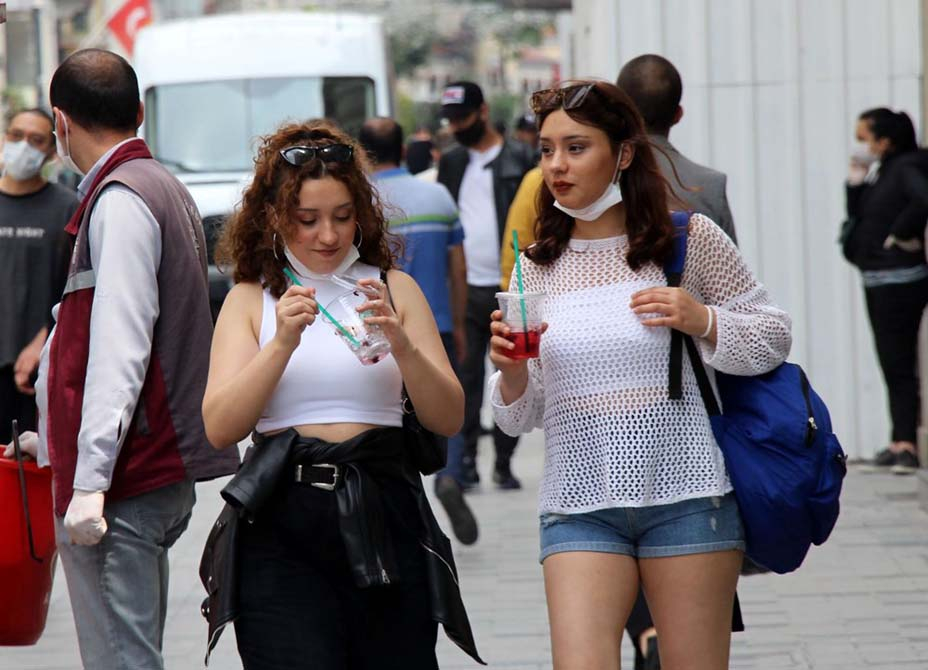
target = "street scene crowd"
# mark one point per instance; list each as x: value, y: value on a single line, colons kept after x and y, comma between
x: 386, y: 290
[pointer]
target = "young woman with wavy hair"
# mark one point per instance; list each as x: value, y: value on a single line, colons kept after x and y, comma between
x: 635, y: 490
x: 335, y: 567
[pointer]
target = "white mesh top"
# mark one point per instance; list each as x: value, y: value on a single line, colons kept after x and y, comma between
x: 613, y: 438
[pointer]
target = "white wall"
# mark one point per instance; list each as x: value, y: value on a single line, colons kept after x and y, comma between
x: 771, y: 92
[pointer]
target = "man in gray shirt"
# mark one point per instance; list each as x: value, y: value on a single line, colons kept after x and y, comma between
x: 654, y: 85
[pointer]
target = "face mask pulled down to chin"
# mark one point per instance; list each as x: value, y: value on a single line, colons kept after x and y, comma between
x: 610, y: 197
x: 351, y: 256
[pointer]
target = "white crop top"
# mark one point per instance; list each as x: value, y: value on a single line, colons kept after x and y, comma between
x: 324, y: 382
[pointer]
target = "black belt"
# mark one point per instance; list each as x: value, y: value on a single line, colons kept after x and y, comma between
x: 321, y: 475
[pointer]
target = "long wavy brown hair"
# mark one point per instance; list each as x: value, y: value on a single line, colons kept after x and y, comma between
x: 644, y: 189
x: 248, y: 243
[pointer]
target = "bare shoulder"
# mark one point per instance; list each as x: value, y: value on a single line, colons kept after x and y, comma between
x: 245, y: 293
x: 400, y: 281
x: 405, y: 291
x: 244, y: 303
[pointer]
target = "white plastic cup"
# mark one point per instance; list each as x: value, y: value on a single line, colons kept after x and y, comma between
x: 525, y: 329
x: 367, y: 342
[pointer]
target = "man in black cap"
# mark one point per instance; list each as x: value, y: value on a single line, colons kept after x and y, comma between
x: 483, y: 175
x: 526, y: 131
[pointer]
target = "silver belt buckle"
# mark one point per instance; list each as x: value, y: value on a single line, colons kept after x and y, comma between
x: 336, y: 473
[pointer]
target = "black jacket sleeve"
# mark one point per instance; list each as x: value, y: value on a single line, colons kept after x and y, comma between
x: 853, y: 194
x: 910, y: 222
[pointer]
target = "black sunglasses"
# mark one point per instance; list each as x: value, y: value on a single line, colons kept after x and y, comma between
x: 328, y: 153
x: 567, y: 97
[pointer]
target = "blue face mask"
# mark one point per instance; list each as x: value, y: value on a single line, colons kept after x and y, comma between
x: 611, y: 196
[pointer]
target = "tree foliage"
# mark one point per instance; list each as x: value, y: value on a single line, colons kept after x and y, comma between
x: 410, y: 48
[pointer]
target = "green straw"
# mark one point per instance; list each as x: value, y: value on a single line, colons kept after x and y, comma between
x: 322, y: 309
x: 515, y: 244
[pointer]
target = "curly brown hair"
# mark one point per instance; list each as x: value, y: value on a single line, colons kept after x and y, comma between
x: 248, y: 243
x: 644, y: 189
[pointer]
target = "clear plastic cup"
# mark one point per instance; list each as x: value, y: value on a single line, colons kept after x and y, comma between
x: 525, y: 329
x: 366, y: 342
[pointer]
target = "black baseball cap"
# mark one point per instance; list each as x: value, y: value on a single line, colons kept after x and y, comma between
x: 459, y: 99
x: 526, y: 122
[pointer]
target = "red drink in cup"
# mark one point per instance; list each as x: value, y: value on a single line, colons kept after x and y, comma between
x: 522, y: 312
x: 526, y: 341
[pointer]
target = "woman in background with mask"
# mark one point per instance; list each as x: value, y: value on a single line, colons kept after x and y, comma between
x: 887, y: 207
x: 34, y: 252
x: 635, y: 490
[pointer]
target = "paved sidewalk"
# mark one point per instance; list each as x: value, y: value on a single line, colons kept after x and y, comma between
x: 861, y: 601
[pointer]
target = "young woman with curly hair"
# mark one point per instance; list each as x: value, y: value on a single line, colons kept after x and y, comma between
x: 635, y: 490
x: 334, y: 565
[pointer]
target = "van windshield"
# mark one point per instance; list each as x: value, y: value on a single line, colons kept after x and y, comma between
x: 214, y: 126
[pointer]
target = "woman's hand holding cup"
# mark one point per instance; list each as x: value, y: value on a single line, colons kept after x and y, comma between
x: 514, y: 370
x: 500, y: 346
x: 296, y: 309
x: 378, y: 312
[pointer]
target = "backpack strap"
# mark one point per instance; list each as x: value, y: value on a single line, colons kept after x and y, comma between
x: 702, y: 378
x: 673, y: 270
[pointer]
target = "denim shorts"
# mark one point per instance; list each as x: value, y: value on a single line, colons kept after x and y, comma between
x: 693, y: 526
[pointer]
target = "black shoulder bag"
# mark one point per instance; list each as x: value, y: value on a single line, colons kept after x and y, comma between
x: 427, y: 451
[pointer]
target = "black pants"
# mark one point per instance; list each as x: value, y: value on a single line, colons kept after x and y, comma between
x: 895, y: 314
x: 639, y: 619
x: 14, y: 405
x: 481, y: 301
x: 299, y: 606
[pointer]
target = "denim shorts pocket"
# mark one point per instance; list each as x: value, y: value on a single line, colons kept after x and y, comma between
x: 548, y: 519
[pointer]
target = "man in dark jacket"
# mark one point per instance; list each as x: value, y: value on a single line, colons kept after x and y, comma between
x: 483, y: 175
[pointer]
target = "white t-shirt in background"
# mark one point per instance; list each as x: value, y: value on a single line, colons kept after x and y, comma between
x: 477, y: 210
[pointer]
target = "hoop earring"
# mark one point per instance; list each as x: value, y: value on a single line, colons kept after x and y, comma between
x: 274, y: 246
x: 360, y: 236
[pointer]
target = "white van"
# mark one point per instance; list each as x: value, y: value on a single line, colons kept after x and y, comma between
x: 213, y: 85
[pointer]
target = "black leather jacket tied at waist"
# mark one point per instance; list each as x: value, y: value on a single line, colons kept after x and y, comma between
x: 365, y: 460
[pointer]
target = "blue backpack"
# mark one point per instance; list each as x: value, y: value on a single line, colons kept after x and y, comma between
x: 784, y: 462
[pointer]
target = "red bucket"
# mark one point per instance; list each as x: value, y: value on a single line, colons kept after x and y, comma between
x: 25, y: 583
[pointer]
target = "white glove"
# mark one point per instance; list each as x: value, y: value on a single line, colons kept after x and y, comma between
x: 28, y: 444
x: 84, y: 519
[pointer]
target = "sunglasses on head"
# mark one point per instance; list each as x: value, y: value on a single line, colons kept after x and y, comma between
x: 328, y: 153
x: 566, y: 98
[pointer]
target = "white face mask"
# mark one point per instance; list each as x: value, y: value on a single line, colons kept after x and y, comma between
x: 862, y: 155
x: 21, y: 161
x: 65, y: 156
x: 306, y: 273
x: 610, y: 197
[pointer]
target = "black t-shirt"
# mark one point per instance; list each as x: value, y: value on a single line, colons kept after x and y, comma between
x: 34, y: 255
